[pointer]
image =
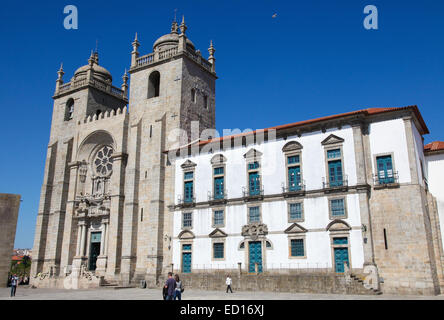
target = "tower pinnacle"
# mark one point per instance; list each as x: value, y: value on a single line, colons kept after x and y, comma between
x: 135, y: 52
x: 183, y: 27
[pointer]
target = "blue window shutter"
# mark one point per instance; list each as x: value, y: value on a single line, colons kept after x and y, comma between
x: 294, y: 178
x: 335, y: 173
x: 219, y: 188
x: 385, y: 169
x: 254, y: 180
x: 188, y: 191
x: 295, y: 211
x: 219, y: 217
x: 297, y: 248
x: 337, y: 207
x: 254, y: 214
x: 218, y: 250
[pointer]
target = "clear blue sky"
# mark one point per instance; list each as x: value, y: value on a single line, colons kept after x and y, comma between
x: 314, y: 59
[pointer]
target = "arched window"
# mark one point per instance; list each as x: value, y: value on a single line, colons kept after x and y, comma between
x: 154, y: 84
x: 69, y: 109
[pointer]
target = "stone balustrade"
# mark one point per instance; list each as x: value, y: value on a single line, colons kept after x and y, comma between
x: 96, y: 83
x: 169, y: 53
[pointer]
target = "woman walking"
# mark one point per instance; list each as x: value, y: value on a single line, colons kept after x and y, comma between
x: 179, y: 288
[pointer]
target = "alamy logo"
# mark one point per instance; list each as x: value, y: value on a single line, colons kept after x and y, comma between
x: 72, y: 19
x: 371, y: 21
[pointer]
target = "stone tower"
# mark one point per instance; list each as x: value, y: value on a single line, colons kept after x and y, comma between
x: 171, y: 88
x: 103, y: 213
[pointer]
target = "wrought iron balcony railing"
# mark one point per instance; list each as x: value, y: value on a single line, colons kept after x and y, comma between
x: 386, y: 178
x: 298, y: 187
x: 184, y: 201
x: 336, y: 182
x: 253, y: 192
x: 217, y: 196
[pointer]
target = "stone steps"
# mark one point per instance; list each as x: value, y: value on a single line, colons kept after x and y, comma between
x: 359, y: 280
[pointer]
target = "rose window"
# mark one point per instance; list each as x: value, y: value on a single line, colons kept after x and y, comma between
x: 103, y: 162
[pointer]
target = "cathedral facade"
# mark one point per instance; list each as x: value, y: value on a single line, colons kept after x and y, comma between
x: 136, y: 185
x: 107, y: 186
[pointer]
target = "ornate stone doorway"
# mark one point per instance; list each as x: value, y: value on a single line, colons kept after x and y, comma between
x: 255, y: 256
x: 94, y: 250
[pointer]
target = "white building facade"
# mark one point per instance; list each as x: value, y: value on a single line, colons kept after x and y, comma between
x: 302, y: 199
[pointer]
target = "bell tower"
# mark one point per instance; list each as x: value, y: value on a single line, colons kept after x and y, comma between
x: 172, y: 89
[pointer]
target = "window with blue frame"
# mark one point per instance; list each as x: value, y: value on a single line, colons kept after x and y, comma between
x: 253, y: 165
x: 340, y: 241
x: 188, y: 187
x: 337, y: 207
x: 296, y: 211
x: 186, y: 247
x: 218, y: 217
x: 218, y: 250
x: 335, y: 174
x: 188, y: 175
x: 385, y: 170
x: 219, y: 183
x: 293, y: 159
x: 187, y: 220
x: 254, y: 183
x: 297, y: 248
x: 188, y: 191
x: 294, y: 173
x: 218, y: 171
x: 254, y: 214
x: 334, y: 154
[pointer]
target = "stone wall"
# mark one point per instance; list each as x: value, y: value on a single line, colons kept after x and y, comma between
x: 9, y: 207
x: 322, y: 283
x: 403, y: 241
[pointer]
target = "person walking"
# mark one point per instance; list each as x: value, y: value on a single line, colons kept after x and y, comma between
x: 170, y: 285
x: 179, y: 288
x: 14, y: 282
x: 228, y: 283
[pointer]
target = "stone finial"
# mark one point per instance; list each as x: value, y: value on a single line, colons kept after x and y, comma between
x: 125, y: 84
x: 91, y: 59
x: 174, y: 27
x: 211, y: 49
x: 183, y: 27
x: 59, y: 81
x: 135, y: 44
x: 60, y: 72
x: 211, y: 58
x: 96, y: 57
x: 135, y: 52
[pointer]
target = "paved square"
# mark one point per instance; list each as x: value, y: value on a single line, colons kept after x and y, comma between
x: 26, y: 293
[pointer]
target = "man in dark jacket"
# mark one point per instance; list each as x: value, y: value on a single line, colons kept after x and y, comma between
x: 170, y: 285
x: 14, y: 283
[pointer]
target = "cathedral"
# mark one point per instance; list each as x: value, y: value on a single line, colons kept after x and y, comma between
x: 137, y: 184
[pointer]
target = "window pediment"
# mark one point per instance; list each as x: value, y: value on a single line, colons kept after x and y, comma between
x: 332, y: 139
x: 253, y: 154
x: 295, y: 228
x: 338, y: 225
x: 186, y: 235
x: 218, y: 159
x: 292, y: 146
x: 217, y: 233
x: 188, y: 164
